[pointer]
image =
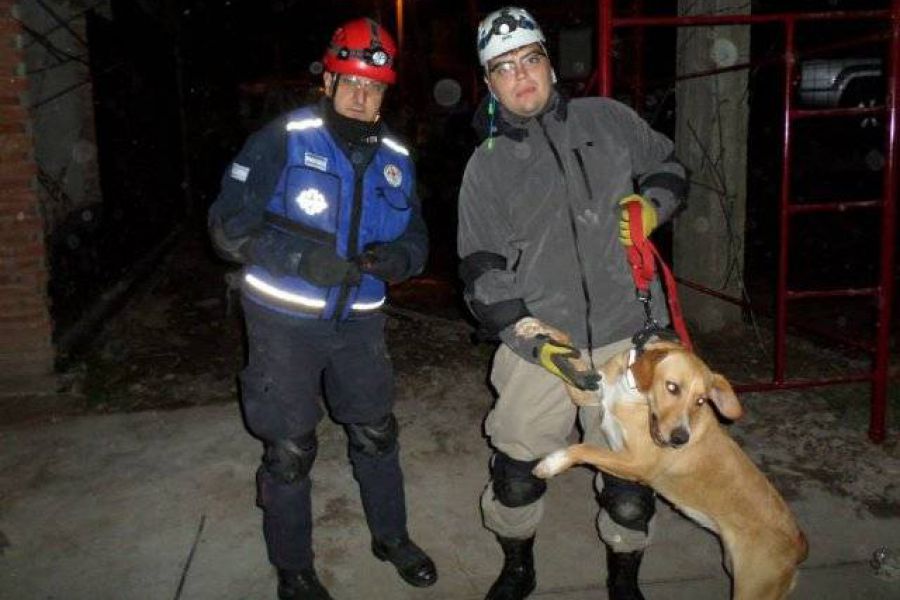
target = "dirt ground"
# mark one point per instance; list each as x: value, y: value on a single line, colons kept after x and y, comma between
x: 178, y: 342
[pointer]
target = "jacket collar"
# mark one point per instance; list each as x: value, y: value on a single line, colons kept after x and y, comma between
x: 511, y: 125
x: 349, y: 131
x: 515, y: 127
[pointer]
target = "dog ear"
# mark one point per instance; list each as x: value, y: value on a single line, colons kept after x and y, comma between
x: 644, y: 366
x: 726, y: 401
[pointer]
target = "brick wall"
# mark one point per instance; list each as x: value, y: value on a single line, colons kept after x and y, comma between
x: 26, y: 348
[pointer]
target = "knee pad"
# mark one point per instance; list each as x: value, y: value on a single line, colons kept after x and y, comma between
x: 513, y: 483
x: 629, y: 504
x: 376, y: 438
x: 289, y: 461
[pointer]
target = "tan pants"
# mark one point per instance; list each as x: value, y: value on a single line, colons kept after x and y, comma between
x: 533, y: 416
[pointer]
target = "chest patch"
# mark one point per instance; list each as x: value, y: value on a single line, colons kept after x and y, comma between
x: 315, y: 161
x: 311, y: 201
x: 393, y: 175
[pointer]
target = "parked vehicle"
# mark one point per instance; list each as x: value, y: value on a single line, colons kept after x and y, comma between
x: 841, y: 82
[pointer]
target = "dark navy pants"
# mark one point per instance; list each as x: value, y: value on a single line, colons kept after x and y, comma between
x: 292, y: 363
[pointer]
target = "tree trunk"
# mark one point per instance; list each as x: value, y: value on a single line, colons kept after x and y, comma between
x: 711, y: 139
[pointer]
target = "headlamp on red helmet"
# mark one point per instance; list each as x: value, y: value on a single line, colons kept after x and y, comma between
x: 362, y: 47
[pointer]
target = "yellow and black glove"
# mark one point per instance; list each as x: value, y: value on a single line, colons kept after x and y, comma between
x: 649, y: 219
x: 557, y: 358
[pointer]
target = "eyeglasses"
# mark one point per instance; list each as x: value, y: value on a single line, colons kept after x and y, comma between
x: 355, y: 82
x: 509, y: 69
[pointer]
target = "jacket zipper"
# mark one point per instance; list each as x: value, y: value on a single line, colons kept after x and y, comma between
x: 584, y: 176
x: 352, y: 240
x: 574, y: 227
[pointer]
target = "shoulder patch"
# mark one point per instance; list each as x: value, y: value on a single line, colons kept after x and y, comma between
x: 239, y: 171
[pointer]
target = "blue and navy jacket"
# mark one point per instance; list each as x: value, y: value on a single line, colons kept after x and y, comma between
x: 292, y: 187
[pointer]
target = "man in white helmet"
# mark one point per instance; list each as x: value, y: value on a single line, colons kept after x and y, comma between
x: 542, y: 225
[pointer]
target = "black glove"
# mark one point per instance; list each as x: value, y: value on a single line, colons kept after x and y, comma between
x: 385, y: 261
x: 495, y: 317
x: 557, y: 357
x: 323, y: 267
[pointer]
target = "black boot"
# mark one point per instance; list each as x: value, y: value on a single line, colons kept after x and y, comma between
x: 301, y: 585
x: 411, y: 562
x: 516, y: 579
x: 622, y: 575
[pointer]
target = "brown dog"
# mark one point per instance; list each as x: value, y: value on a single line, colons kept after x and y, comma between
x: 672, y: 441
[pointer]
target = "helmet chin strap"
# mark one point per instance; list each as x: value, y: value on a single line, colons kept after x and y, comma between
x: 334, y: 82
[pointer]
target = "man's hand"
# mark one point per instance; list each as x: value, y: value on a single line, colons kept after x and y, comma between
x: 323, y: 267
x: 649, y: 218
x: 384, y: 261
x: 557, y: 358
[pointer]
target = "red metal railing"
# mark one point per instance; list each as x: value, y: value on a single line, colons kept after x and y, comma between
x: 883, y: 292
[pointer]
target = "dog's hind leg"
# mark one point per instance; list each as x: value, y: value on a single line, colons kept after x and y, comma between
x: 761, y: 580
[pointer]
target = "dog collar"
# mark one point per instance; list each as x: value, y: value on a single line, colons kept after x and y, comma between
x: 630, y: 383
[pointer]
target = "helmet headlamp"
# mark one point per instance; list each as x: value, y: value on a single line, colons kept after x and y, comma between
x: 375, y: 55
x: 505, y: 30
x: 504, y: 24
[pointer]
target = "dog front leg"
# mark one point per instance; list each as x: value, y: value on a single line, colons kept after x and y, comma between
x: 617, y: 463
x: 555, y: 463
x: 621, y: 464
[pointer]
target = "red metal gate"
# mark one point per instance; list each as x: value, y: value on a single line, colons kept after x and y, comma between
x: 883, y: 291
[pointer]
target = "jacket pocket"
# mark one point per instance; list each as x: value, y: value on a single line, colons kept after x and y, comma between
x: 386, y: 214
x: 312, y: 197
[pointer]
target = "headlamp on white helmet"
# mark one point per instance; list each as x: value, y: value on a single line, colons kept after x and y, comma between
x: 504, y: 30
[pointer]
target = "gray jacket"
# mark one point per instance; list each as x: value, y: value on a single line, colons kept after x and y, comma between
x: 545, y: 198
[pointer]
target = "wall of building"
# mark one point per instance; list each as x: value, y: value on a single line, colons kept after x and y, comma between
x: 49, y: 178
x: 61, y: 106
x: 26, y: 348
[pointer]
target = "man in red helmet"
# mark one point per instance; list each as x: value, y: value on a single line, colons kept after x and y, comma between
x: 320, y: 208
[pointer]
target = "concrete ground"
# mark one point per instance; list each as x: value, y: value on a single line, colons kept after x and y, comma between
x: 160, y: 505
x: 99, y: 503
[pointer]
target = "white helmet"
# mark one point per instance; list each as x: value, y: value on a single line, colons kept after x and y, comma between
x: 504, y: 30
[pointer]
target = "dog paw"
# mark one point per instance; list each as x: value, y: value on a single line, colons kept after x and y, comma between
x: 553, y: 464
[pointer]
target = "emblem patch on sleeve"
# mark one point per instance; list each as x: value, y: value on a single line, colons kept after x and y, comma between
x: 239, y: 171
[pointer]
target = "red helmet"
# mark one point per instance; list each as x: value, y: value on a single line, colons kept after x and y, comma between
x: 362, y: 47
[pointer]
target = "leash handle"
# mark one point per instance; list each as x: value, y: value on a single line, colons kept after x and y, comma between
x: 640, y: 256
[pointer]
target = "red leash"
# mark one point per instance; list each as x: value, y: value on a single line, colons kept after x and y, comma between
x: 643, y: 268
